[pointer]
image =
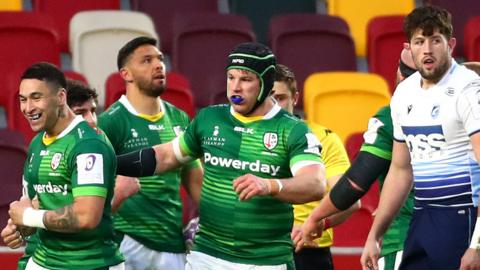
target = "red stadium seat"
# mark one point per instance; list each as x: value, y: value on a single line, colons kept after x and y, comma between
x: 472, y: 39
x: 385, y: 40
x: 70, y: 74
x: 25, y: 38
x: 13, y: 154
x: 163, y: 12
x: 200, y: 47
x: 310, y: 43
x: 353, y: 143
x: 178, y: 91
x: 114, y: 88
x: 63, y: 11
x: 461, y: 12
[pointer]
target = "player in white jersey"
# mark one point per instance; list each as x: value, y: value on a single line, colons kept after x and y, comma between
x: 437, y: 148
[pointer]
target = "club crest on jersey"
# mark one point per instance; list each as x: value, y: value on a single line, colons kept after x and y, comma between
x: 435, y: 111
x: 270, y: 140
x: 55, y: 161
x: 409, y: 108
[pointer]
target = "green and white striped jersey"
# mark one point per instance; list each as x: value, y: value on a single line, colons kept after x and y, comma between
x: 277, y: 145
x: 153, y: 216
x: 78, y: 162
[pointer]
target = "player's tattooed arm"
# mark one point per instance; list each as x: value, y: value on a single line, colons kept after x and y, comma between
x: 84, y: 214
x: 62, y: 220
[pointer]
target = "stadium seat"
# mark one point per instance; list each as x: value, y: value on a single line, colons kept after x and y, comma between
x: 63, y: 11
x: 13, y: 153
x: 15, y: 119
x: 70, y: 74
x: 11, y: 5
x: 25, y: 38
x: 385, y: 40
x: 344, y: 101
x: 309, y: 43
x: 96, y: 37
x: 358, y: 14
x: 354, y: 231
x: 461, y: 12
x: 200, y: 48
x: 472, y: 39
x: 260, y: 12
x: 163, y: 12
x: 178, y: 91
x: 353, y: 143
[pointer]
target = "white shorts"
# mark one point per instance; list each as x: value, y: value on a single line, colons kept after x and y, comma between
x: 139, y: 257
x: 398, y: 260
x: 201, y: 261
x: 32, y: 265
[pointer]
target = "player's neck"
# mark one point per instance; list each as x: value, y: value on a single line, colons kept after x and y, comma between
x: 65, y: 118
x: 263, y: 109
x: 144, y: 104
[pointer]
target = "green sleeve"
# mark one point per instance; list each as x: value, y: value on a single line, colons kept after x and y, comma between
x: 379, y: 136
x: 303, y: 145
x: 189, y: 141
x: 93, y: 166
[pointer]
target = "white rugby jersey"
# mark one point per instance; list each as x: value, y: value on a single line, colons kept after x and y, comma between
x: 436, y: 124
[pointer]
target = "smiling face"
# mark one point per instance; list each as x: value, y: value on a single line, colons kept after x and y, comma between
x: 245, y: 85
x: 431, y: 54
x: 146, y: 69
x: 41, y: 105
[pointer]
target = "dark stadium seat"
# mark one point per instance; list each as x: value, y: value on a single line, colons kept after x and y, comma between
x: 13, y: 153
x: 178, y: 91
x: 163, y: 12
x: 472, y: 39
x: 25, y: 38
x: 385, y: 40
x: 260, y: 12
x: 309, y: 43
x: 200, y: 49
x: 461, y: 12
x: 63, y: 11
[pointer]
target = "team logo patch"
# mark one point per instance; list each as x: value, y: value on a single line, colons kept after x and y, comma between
x: 55, y: 161
x: 270, y: 140
x: 435, y: 111
x: 409, y: 108
x: 90, y: 162
x: 90, y: 169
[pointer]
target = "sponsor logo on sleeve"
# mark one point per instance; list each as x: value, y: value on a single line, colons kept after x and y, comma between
x: 90, y: 169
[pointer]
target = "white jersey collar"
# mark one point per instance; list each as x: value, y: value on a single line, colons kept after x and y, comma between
x: 124, y: 101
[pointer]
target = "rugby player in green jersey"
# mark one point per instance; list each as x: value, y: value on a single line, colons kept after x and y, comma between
x: 258, y: 159
x: 149, y: 223
x: 70, y: 169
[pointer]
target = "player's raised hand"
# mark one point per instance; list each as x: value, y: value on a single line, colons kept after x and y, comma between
x: 11, y: 236
x: 249, y: 185
x: 17, y: 208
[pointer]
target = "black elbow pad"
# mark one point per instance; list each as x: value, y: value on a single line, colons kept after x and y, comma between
x: 138, y: 163
x: 364, y: 171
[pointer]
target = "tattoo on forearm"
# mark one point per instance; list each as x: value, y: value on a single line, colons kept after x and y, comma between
x: 61, y: 220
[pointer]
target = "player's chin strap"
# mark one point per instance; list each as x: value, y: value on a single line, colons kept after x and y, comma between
x: 138, y: 163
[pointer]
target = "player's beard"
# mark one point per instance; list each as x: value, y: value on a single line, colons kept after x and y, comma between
x: 436, y: 74
x: 150, y: 89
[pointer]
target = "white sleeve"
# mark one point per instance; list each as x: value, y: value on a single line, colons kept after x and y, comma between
x: 395, y: 114
x: 468, y: 107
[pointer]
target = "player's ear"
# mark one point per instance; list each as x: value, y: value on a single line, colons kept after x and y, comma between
x: 126, y: 74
